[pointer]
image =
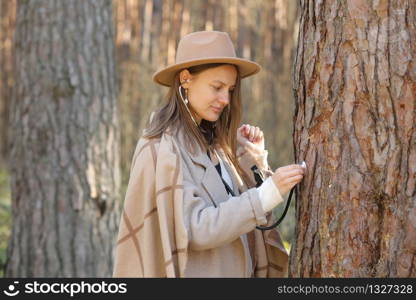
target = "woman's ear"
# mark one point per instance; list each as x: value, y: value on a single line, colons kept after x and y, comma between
x: 185, y: 78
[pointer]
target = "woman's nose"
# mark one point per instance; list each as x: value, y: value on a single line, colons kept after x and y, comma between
x: 225, y: 99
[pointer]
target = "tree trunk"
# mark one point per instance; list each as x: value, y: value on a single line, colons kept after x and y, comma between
x: 355, y: 87
x: 64, y: 159
x: 147, y: 29
x: 7, y: 25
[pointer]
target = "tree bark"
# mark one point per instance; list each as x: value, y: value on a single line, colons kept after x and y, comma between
x: 64, y: 159
x: 7, y: 25
x: 355, y: 87
x: 147, y: 29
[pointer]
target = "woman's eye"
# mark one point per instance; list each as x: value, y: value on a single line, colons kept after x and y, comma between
x: 218, y: 88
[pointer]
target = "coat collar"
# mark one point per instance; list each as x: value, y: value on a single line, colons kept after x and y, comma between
x: 198, y: 156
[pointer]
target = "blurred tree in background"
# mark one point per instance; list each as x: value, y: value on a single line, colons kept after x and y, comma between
x: 63, y: 141
x: 7, y: 28
x: 146, y: 36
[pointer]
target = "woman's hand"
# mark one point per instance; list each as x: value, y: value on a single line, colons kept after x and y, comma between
x: 287, y: 177
x: 251, y: 137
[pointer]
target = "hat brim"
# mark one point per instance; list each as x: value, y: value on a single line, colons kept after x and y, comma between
x: 166, y: 76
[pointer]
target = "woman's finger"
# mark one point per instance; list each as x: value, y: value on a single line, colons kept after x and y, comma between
x: 246, y: 128
x: 241, y: 138
x: 242, y: 131
x: 289, y: 168
x: 259, y: 136
x: 292, y: 173
x: 289, y: 173
x: 251, y: 134
x: 256, y: 133
x: 293, y: 179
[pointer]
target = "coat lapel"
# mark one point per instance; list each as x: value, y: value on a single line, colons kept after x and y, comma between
x: 211, y: 180
x: 212, y: 183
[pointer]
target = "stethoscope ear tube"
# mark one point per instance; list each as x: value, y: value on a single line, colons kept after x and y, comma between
x: 282, y: 216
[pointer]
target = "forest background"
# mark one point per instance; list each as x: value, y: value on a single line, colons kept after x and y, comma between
x: 337, y: 90
x: 146, y: 33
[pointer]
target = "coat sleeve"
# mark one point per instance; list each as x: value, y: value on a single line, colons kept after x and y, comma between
x: 212, y: 226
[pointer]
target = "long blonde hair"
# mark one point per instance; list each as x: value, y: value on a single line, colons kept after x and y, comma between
x: 174, y: 114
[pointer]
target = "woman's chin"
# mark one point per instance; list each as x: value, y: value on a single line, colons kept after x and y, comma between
x: 212, y: 118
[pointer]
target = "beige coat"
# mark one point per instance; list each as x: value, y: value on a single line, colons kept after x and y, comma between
x: 178, y: 220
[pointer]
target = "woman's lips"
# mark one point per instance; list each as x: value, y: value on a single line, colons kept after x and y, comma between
x: 216, y: 109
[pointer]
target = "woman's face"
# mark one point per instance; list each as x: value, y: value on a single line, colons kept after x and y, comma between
x: 209, y: 91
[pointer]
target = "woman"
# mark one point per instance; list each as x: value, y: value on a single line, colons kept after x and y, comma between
x: 192, y: 204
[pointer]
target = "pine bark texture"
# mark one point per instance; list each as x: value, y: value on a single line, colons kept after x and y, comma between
x: 64, y: 159
x: 355, y: 91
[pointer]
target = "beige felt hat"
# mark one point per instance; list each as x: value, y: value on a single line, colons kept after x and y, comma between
x: 204, y: 47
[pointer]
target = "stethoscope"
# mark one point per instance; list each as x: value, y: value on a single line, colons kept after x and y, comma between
x: 275, y: 224
x: 259, y: 181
